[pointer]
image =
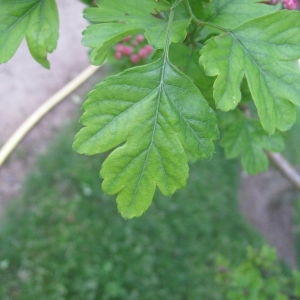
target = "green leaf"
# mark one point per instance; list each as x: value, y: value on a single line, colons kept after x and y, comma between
x: 114, y: 20
x: 264, y: 51
x: 155, y: 119
x: 246, y: 138
x: 37, y: 20
x: 230, y: 13
x: 187, y: 60
x: 88, y: 2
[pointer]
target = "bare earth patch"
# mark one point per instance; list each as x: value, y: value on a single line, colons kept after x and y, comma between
x: 266, y: 200
x: 25, y: 85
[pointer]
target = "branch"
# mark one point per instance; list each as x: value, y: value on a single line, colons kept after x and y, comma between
x: 285, y: 168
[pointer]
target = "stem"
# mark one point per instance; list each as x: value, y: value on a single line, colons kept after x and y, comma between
x: 201, y: 22
x: 169, y: 25
x: 214, y: 26
x: 285, y: 168
x: 176, y: 3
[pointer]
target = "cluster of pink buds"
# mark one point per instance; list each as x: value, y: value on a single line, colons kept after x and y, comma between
x: 287, y: 4
x: 291, y: 4
x: 133, y: 47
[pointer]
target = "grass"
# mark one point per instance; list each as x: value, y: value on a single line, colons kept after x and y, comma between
x: 63, y: 238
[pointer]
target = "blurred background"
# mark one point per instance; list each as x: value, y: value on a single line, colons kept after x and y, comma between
x: 25, y: 85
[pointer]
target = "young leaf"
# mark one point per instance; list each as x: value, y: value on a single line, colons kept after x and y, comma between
x: 158, y: 120
x: 264, y: 51
x: 114, y: 20
x: 246, y: 138
x: 37, y: 20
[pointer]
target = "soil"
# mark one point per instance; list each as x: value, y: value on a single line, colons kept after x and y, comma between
x: 266, y: 200
x: 25, y: 85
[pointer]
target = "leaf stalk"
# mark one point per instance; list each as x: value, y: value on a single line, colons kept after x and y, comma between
x: 201, y: 22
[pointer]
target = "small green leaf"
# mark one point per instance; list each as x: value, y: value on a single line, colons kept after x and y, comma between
x: 246, y: 138
x: 37, y: 20
x: 114, y: 20
x: 265, y: 52
x: 155, y: 119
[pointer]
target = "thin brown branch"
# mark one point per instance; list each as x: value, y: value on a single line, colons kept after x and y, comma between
x: 285, y: 168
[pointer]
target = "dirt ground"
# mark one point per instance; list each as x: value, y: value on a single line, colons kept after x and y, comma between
x: 266, y: 200
x: 25, y: 85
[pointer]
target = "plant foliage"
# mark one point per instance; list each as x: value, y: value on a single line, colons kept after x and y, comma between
x: 210, y: 56
x: 35, y: 20
x: 264, y: 51
x: 259, y: 276
x: 63, y: 239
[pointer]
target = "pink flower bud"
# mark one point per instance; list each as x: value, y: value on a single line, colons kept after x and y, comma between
x: 148, y: 48
x: 135, y: 58
x: 119, y: 47
x: 143, y: 53
x: 127, y: 50
x: 139, y: 38
x: 135, y: 43
x: 118, y: 55
x: 126, y: 39
x: 291, y: 4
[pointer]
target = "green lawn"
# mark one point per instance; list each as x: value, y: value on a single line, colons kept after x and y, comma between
x: 64, y: 239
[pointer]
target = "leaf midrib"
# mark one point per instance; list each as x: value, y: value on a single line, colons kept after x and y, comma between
x: 38, y: 33
x: 28, y: 12
x: 261, y: 71
x: 160, y: 89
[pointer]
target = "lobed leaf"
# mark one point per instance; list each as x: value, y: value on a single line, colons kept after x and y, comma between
x: 247, y: 139
x: 114, y: 20
x: 36, y: 20
x: 265, y: 52
x: 155, y: 119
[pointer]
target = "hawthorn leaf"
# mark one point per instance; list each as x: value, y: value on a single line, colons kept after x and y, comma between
x: 246, y: 138
x: 36, y: 20
x: 114, y: 20
x: 155, y: 120
x: 230, y: 13
x: 265, y: 52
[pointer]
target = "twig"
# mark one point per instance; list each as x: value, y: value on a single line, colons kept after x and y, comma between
x: 34, y: 118
x: 285, y: 168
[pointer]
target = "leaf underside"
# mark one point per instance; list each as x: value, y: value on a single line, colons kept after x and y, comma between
x: 156, y: 120
x: 35, y: 20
